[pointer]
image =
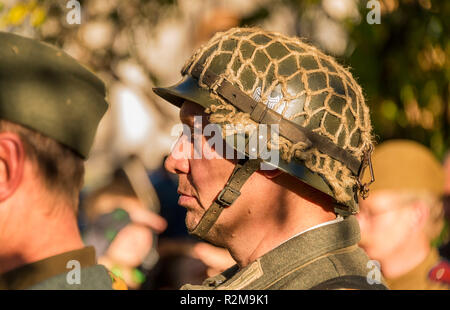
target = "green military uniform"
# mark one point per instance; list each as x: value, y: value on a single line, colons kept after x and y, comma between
x: 52, y: 273
x: 327, y: 257
x: 248, y: 77
x: 44, y: 89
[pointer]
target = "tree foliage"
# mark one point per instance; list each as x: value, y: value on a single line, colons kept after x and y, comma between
x: 402, y: 64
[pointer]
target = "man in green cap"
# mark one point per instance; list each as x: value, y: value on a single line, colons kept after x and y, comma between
x: 50, y: 107
x: 280, y: 192
x: 403, y: 215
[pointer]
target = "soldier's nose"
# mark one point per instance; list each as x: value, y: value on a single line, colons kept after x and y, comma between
x: 177, y: 162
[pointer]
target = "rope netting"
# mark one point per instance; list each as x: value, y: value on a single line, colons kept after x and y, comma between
x: 299, y: 82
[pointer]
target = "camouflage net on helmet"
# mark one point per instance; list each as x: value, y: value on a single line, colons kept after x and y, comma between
x: 299, y: 82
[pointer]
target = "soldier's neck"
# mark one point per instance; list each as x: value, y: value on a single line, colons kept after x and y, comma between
x: 41, y: 234
x: 285, y: 224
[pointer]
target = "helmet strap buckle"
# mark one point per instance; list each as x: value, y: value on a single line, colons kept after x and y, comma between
x: 227, y: 196
x: 363, y: 188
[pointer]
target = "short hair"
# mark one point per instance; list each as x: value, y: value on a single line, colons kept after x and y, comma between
x: 60, y: 168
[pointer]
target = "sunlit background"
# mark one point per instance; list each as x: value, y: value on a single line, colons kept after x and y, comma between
x: 403, y: 63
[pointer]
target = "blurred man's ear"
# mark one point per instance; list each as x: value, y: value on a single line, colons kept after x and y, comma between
x: 12, y: 159
x: 420, y: 214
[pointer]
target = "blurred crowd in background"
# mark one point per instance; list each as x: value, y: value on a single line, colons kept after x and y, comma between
x: 402, y: 64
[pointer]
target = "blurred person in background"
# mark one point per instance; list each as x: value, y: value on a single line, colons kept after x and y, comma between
x: 120, y: 226
x: 403, y: 215
x: 50, y: 107
x: 177, y: 265
x: 123, y: 229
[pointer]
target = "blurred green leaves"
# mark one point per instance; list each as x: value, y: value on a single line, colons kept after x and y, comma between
x: 389, y: 110
x: 403, y: 65
x: 32, y: 11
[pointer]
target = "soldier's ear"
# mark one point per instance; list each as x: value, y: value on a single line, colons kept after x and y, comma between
x: 271, y: 174
x: 12, y: 160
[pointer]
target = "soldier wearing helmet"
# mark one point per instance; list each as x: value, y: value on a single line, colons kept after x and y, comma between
x: 404, y: 214
x: 286, y: 214
x: 50, y: 107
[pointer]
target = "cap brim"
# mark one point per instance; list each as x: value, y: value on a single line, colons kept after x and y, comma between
x: 186, y: 89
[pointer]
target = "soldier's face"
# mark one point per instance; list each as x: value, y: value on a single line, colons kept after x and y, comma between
x: 200, y: 179
x: 386, y: 224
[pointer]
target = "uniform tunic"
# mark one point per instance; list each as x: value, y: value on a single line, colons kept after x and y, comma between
x: 326, y: 257
x: 51, y: 273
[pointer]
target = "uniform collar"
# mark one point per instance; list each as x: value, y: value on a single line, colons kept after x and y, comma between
x: 290, y: 255
x: 336, y: 220
x: 31, y: 274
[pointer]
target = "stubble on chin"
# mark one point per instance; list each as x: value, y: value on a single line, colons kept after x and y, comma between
x: 192, y: 219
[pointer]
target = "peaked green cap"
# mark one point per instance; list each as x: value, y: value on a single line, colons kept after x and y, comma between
x: 44, y: 89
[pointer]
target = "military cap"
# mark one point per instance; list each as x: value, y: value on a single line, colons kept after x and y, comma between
x: 406, y: 165
x: 44, y: 89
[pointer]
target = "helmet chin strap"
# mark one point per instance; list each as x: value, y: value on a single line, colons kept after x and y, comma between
x: 241, y: 173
